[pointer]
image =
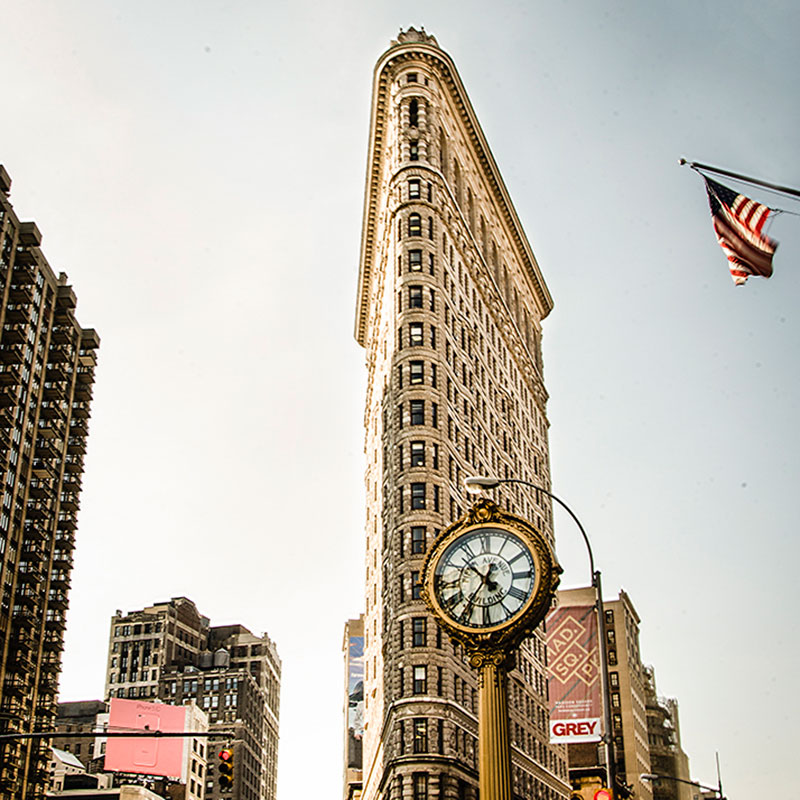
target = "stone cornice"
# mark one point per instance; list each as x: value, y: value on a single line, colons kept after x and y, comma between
x: 429, y: 53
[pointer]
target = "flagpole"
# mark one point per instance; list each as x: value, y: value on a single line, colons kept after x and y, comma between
x: 783, y: 189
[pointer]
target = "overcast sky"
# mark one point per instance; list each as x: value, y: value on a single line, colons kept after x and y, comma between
x: 197, y: 169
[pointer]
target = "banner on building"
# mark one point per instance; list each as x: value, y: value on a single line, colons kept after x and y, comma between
x: 574, y: 675
x: 355, y: 700
x: 143, y: 755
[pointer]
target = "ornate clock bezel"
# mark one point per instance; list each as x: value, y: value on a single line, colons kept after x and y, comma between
x: 486, y: 514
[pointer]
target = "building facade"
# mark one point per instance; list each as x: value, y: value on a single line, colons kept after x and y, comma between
x: 627, y: 686
x: 170, y: 653
x: 47, y: 363
x: 449, y: 310
x: 664, y: 738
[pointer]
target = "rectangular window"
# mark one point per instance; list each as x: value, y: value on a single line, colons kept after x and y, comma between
x: 420, y: 680
x: 416, y: 587
x: 433, y: 375
x: 418, y: 539
x: 420, y: 744
x: 419, y: 634
x: 435, y: 415
x: 417, y: 372
x: 415, y: 297
x: 432, y: 303
x: 431, y: 263
x: 433, y: 336
x: 436, y: 499
x: 418, y: 495
x: 614, y: 676
x: 413, y: 189
x: 415, y: 260
x: 417, y: 454
x: 417, y: 412
x: 415, y: 334
x: 413, y: 151
x: 412, y: 77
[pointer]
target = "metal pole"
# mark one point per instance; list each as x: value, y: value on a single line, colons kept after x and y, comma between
x: 756, y: 181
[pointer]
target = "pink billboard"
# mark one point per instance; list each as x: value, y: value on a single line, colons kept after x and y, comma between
x: 574, y: 679
x: 148, y: 756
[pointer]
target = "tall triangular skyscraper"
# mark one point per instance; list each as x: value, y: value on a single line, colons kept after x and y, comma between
x: 449, y: 311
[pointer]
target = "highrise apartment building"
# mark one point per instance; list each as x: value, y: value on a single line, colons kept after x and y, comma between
x: 170, y: 653
x: 449, y: 310
x: 47, y: 363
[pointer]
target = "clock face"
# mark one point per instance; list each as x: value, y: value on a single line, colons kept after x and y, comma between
x: 484, y: 577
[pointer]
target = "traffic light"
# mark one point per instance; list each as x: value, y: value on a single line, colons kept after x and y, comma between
x: 225, y: 769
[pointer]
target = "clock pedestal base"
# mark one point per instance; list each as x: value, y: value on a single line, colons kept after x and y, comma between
x: 494, y: 755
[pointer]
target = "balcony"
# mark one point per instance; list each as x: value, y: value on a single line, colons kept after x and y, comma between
x: 21, y: 293
x: 23, y: 621
x: 51, y: 410
x: 15, y: 687
x: 62, y: 559
x: 69, y: 502
x: 80, y: 411
x: 65, y: 298
x: 76, y: 445
x: 14, y: 334
x: 12, y: 354
x: 52, y: 643
x: 78, y: 427
x: 26, y: 599
x: 54, y: 624
x: 56, y: 373
x: 34, y: 533
x: 29, y: 572
x: 38, y: 490
x: 17, y: 314
x: 57, y: 599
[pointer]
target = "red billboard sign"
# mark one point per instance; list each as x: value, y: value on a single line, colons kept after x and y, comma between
x: 574, y: 679
x: 156, y: 756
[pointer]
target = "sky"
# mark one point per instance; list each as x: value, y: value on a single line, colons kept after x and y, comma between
x: 197, y: 169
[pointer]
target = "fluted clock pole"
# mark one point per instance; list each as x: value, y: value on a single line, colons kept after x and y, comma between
x: 494, y: 759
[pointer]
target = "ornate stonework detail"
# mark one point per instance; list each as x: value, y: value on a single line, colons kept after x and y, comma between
x: 414, y: 35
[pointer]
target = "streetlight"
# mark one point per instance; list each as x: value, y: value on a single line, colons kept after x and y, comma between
x: 647, y: 776
x: 478, y: 483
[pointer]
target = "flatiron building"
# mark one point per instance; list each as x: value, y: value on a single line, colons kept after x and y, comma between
x: 449, y: 309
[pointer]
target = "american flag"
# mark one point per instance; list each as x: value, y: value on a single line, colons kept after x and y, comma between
x: 738, y: 221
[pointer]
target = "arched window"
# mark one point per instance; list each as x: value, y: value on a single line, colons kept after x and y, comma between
x: 413, y: 113
x: 414, y: 225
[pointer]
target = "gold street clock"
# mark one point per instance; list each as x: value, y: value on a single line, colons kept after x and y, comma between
x: 490, y: 578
